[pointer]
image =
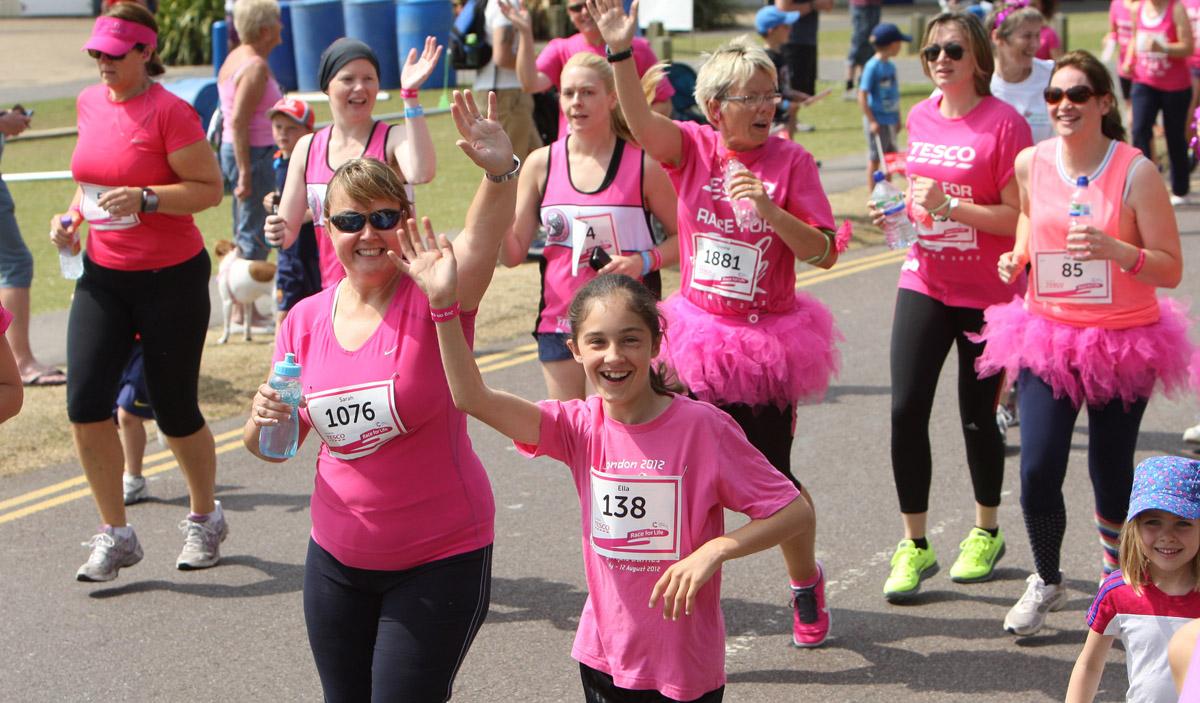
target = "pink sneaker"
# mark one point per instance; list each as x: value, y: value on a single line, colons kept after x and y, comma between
x: 810, y: 617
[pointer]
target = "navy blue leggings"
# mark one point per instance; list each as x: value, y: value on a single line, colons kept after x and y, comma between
x: 393, y: 635
x: 1147, y: 102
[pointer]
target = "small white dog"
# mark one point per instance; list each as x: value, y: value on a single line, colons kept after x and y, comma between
x: 243, y: 282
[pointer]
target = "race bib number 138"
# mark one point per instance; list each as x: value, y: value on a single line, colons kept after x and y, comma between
x: 635, y: 517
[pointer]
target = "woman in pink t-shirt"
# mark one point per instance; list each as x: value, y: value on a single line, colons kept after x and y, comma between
x: 654, y: 472
x: 397, y: 577
x: 1049, y: 45
x: 12, y: 392
x: 598, y: 180
x: 740, y: 335
x: 143, y: 168
x: 1090, y: 330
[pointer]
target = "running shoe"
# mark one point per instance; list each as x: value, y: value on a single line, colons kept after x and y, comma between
x: 202, y: 541
x: 810, y: 616
x: 110, y: 554
x: 1029, y: 614
x: 135, y: 489
x: 1004, y: 419
x: 910, y: 566
x: 1179, y: 200
x: 977, y: 556
x: 1192, y: 435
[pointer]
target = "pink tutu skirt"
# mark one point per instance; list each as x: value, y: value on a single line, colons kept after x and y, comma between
x: 780, y: 359
x: 1089, y: 364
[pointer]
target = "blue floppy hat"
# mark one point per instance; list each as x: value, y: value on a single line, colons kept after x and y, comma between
x: 1168, y: 483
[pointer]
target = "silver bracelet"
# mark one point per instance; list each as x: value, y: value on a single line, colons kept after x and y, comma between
x: 516, y: 169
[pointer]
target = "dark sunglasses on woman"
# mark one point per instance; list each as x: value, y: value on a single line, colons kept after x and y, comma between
x: 349, y: 221
x: 1078, y: 94
x: 953, y: 50
x: 111, y: 57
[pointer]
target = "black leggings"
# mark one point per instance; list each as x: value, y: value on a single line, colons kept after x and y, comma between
x: 169, y: 308
x: 923, y: 331
x: 393, y: 635
x: 598, y: 687
x: 770, y: 431
x: 1147, y: 102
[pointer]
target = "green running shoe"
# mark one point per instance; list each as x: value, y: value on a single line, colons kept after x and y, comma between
x: 977, y: 556
x: 910, y: 566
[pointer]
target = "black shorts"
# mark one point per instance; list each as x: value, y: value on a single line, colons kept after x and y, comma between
x: 802, y: 60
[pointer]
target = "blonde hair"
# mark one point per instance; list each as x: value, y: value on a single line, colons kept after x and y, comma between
x: 603, y: 68
x: 364, y: 180
x: 1135, y: 565
x: 250, y: 17
x: 731, y: 64
x: 978, y: 45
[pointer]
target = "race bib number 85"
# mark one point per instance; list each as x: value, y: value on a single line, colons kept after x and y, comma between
x: 635, y: 517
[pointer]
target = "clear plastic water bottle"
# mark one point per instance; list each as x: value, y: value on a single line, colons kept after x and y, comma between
x: 743, y: 209
x: 1079, y: 210
x: 70, y: 257
x: 279, y: 441
x: 897, y: 229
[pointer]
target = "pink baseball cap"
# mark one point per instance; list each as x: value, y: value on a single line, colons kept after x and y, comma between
x: 294, y: 108
x: 117, y: 37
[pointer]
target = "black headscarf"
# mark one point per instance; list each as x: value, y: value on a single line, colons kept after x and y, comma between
x: 340, y: 53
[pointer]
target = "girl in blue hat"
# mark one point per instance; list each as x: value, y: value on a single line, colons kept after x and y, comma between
x: 1154, y: 592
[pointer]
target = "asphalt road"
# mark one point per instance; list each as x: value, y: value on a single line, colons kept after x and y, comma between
x: 236, y: 632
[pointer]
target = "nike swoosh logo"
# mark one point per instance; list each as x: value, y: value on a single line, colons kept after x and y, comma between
x: 140, y: 404
x: 389, y: 351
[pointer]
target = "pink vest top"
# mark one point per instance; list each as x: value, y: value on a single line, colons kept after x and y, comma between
x: 612, y: 217
x: 260, y: 124
x: 1155, y: 68
x: 317, y: 173
x: 1083, y: 293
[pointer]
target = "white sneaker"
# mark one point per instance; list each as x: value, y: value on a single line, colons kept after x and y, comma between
x: 1192, y: 435
x: 202, y: 541
x: 1004, y: 419
x: 1178, y: 200
x: 135, y: 489
x: 1029, y: 614
x: 110, y: 553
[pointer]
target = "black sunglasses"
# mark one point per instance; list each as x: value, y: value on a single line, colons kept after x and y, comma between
x: 1078, y: 94
x: 577, y: 7
x: 954, y: 50
x: 350, y: 221
x: 111, y: 57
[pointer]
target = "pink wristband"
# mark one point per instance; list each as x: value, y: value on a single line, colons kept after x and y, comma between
x: 657, y: 265
x: 445, y: 314
x: 1137, y: 266
x: 408, y: 93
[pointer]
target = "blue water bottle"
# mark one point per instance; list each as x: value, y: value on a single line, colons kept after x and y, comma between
x: 279, y: 441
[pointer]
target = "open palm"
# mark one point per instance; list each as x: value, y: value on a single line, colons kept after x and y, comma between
x: 483, y: 139
x: 616, y: 27
x: 417, y: 69
x: 429, y: 261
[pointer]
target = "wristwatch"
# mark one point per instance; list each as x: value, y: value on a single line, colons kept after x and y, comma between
x: 950, y: 205
x: 516, y: 169
x: 618, y: 56
x: 149, y: 200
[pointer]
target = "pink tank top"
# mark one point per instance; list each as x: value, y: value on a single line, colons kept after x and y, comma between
x: 1155, y: 68
x: 1083, y: 293
x: 612, y: 217
x: 260, y: 124
x: 317, y: 173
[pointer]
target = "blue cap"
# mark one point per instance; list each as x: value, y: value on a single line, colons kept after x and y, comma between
x: 287, y: 366
x: 1168, y: 483
x: 887, y: 33
x: 770, y: 17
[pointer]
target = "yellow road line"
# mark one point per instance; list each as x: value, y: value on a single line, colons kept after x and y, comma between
x: 487, y: 363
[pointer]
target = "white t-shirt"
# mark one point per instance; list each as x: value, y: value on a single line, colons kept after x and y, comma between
x: 1026, y: 97
x: 491, y: 76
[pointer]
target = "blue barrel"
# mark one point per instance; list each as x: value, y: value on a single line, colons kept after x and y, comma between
x: 200, y: 93
x: 220, y: 44
x: 416, y: 19
x: 374, y: 23
x: 315, y: 25
x: 282, y: 58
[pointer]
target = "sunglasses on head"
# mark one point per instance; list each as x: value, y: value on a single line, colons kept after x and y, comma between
x: 1077, y: 94
x: 577, y: 7
x: 349, y: 221
x: 111, y: 57
x: 953, y: 50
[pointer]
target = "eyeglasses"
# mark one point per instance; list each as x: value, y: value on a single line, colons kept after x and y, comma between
x: 954, y: 51
x: 1078, y: 94
x: 111, y: 57
x: 754, y: 100
x: 349, y: 221
x: 577, y: 7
